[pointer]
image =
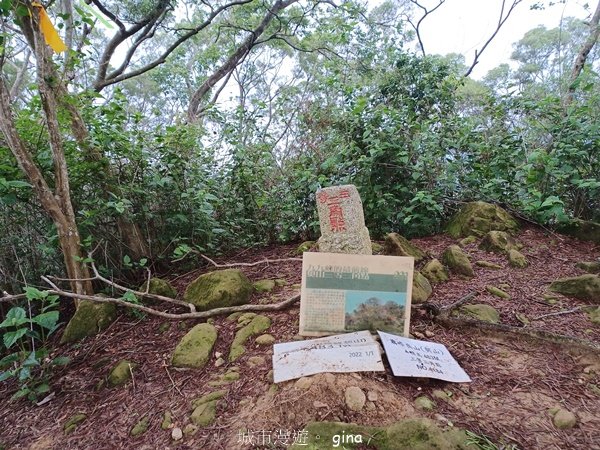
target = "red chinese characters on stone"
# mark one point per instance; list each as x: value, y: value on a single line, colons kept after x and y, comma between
x: 336, y: 214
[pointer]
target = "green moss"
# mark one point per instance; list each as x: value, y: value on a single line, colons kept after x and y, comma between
x: 424, y: 403
x: 195, y: 347
x: 265, y: 339
x: 477, y: 218
x: 158, y: 286
x: 482, y: 312
x: 584, y: 287
x: 376, y: 248
x: 89, y: 318
x: 457, y: 261
x: 140, y: 428
x: 305, y: 247
x: 167, y: 420
x: 204, y: 414
x: 73, y: 422
x: 589, y: 267
x: 517, y: 259
x: 435, y: 272
x: 397, y: 245
x: 264, y: 285
x: 421, y: 289
x: 497, y: 292
x: 498, y: 242
x: 216, y: 395
x: 219, y: 289
x: 594, y: 315
x: 258, y: 325
x: 121, y: 373
x: 164, y: 327
x: 468, y: 240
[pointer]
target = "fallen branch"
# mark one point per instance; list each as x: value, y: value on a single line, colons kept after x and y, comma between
x: 559, y: 313
x: 175, y: 316
x: 263, y: 261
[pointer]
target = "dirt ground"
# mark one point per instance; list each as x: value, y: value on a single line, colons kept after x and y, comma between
x: 516, y: 380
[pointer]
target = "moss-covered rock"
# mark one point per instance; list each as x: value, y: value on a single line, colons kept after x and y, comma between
x: 167, y: 420
x: 517, y: 259
x: 485, y: 313
x: 498, y: 242
x: 306, y: 246
x: 582, y: 229
x: 376, y: 248
x: 408, y: 434
x: 158, y: 286
x: 594, y: 315
x: 467, y: 241
x: 89, y: 319
x: 424, y: 403
x: 265, y: 339
x: 589, y: 266
x: 140, y: 428
x: 73, y: 422
x: 195, y: 347
x: 121, y: 373
x: 225, y: 379
x: 584, y: 287
x: 435, y: 272
x: 457, y: 261
x: 488, y: 265
x: 397, y: 245
x: 564, y: 419
x: 497, y: 292
x: 421, y: 288
x: 477, y: 218
x: 204, y: 414
x: 258, y: 325
x: 210, y: 397
x: 219, y: 289
x: 264, y: 285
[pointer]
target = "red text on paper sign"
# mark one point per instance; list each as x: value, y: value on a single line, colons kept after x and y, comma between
x: 336, y: 214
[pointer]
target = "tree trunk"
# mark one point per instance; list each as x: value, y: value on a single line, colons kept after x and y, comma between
x: 583, y: 54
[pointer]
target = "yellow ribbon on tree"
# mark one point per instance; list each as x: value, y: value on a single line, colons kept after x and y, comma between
x: 51, y: 36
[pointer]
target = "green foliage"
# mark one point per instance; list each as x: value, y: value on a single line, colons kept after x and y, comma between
x: 24, y: 337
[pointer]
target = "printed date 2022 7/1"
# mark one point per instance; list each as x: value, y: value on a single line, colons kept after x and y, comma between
x: 359, y: 354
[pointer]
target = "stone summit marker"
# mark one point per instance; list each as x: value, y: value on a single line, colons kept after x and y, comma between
x: 342, y: 221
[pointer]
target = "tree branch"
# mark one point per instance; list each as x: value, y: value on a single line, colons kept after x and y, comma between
x: 501, y: 20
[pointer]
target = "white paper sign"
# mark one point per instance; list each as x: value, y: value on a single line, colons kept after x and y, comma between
x: 352, y: 352
x: 413, y: 358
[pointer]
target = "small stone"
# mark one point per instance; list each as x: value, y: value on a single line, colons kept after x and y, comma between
x: 589, y: 267
x: 594, y: 315
x: 219, y: 362
x: 457, y: 261
x: 440, y: 394
x: 257, y: 325
x: 164, y: 327
x: 429, y: 333
x: 303, y: 383
x: 435, y: 272
x: 498, y: 242
x: 265, y: 339
x: 195, y: 347
x: 355, y: 398
x: 211, y: 397
x: 218, y: 354
x: 372, y: 396
x: 318, y: 404
x: 397, y: 245
x: 482, y: 312
x: 270, y: 376
x: 418, y: 335
x: 564, y: 419
x: 370, y: 406
x: 468, y: 240
x: 204, y: 414
x: 424, y: 403
x: 305, y: 247
x: 421, y: 288
x: 176, y: 434
x: 584, y: 287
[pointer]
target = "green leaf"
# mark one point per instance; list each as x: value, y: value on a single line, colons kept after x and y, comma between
x: 42, y: 388
x: 24, y: 373
x: 46, y: 320
x: 35, y: 294
x: 9, y: 359
x: 15, y: 317
x: 11, y: 337
x: 6, y: 375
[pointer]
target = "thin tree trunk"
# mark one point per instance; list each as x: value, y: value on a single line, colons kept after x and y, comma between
x: 581, y: 58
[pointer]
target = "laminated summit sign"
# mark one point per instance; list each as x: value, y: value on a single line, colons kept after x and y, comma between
x: 345, y: 293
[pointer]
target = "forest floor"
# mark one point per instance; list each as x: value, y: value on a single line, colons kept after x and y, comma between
x: 515, y: 380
